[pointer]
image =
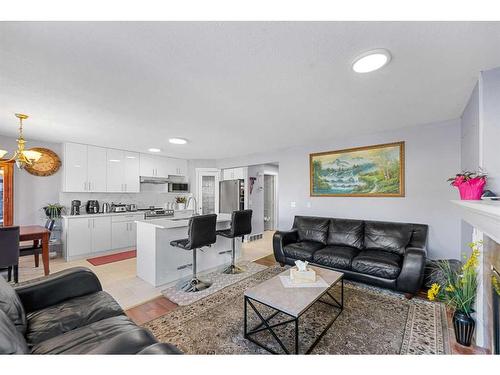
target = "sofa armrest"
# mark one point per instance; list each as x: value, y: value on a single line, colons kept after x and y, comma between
x: 412, y: 271
x: 160, y: 348
x: 280, y: 240
x: 58, y: 287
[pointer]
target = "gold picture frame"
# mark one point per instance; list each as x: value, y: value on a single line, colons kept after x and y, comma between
x: 369, y: 171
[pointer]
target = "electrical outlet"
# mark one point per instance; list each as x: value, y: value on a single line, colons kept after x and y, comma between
x: 293, y: 204
x: 308, y: 204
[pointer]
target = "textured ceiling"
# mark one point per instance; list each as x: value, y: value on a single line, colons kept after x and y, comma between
x: 233, y: 88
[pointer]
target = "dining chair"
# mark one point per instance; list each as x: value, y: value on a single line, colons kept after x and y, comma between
x: 9, y: 251
x: 36, y: 247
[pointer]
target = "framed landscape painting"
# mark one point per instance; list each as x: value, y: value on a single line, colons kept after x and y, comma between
x: 373, y: 171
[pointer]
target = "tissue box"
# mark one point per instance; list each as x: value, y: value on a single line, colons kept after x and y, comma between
x: 308, y: 276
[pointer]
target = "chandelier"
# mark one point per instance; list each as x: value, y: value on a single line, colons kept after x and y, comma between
x: 21, y: 156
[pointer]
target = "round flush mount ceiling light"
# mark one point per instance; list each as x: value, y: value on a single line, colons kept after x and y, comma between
x: 154, y: 150
x: 178, y: 141
x: 371, y: 60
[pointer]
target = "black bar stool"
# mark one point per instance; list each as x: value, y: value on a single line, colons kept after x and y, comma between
x: 201, y: 232
x: 241, y: 224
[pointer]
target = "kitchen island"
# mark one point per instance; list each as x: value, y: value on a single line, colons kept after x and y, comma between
x: 158, y: 263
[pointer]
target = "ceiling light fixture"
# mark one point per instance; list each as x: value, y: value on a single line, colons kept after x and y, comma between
x: 21, y: 156
x: 178, y: 141
x: 154, y: 150
x: 371, y: 60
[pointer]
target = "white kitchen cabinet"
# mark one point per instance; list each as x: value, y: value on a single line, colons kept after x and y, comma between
x: 122, y: 171
x: 96, y: 168
x: 132, y: 178
x: 124, y: 230
x: 87, y: 235
x: 233, y: 174
x: 75, y: 167
x: 150, y: 166
x: 84, y: 168
x: 179, y: 167
x: 78, y: 238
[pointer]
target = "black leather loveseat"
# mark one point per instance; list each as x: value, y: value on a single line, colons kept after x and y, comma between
x: 386, y: 254
x: 68, y: 313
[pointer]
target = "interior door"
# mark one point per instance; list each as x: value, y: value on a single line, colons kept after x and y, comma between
x: 6, y: 193
x: 207, y: 196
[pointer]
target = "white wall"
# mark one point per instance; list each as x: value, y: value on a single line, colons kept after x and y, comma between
x: 469, y: 152
x: 432, y: 155
x: 490, y: 126
x: 256, y: 198
x: 31, y: 193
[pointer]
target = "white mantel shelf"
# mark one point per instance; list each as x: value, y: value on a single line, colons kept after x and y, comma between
x: 483, y: 215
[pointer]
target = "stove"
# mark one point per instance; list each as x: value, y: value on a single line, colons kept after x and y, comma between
x: 155, y: 213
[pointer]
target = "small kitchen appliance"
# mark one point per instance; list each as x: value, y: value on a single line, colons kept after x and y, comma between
x: 118, y: 207
x: 105, y: 208
x: 75, y: 207
x: 178, y: 187
x: 92, y: 207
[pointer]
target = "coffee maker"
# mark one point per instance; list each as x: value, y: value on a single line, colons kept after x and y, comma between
x: 75, y: 207
x: 92, y: 207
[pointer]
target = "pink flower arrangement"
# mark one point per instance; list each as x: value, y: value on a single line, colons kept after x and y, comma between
x: 469, y: 184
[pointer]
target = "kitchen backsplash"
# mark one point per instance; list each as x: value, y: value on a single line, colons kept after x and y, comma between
x: 142, y: 200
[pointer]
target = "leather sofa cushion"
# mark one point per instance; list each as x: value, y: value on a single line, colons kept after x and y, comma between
x: 302, y: 250
x: 312, y: 228
x: 345, y: 232
x: 85, y: 339
x: 378, y: 263
x: 11, y: 305
x: 69, y: 315
x: 393, y: 237
x: 11, y: 340
x: 335, y: 256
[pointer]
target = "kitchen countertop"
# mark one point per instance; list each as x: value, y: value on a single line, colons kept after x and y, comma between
x: 179, y: 221
x: 117, y: 214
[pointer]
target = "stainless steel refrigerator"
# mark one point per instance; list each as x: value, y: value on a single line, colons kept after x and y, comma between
x: 231, y: 196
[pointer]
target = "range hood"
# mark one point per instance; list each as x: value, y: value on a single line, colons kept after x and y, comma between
x: 154, y: 180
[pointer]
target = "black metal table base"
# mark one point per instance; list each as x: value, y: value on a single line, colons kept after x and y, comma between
x: 266, y: 325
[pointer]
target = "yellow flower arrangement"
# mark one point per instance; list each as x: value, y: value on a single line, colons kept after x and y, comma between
x: 433, y: 292
x: 460, y: 290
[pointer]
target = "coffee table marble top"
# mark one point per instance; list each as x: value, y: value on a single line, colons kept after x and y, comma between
x: 293, y: 301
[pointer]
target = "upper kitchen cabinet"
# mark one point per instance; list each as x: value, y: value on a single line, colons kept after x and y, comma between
x: 84, y: 168
x: 122, y: 171
x: 158, y: 166
x: 234, y: 174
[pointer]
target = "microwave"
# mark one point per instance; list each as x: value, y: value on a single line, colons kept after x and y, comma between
x: 178, y: 187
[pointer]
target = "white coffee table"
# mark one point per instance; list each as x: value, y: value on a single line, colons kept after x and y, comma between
x: 292, y: 302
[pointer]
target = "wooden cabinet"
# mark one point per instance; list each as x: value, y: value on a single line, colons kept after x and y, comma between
x: 122, y: 171
x: 84, y: 168
x: 87, y: 235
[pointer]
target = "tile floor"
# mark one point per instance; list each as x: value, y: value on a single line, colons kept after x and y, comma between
x: 119, y: 278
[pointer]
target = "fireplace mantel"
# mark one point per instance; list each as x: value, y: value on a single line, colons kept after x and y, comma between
x: 483, y: 215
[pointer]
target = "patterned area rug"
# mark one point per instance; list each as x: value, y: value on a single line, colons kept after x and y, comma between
x: 374, y: 321
x: 219, y: 281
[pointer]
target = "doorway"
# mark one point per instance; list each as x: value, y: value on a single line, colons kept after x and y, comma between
x: 6, y: 194
x: 270, y: 202
x: 207, y: 191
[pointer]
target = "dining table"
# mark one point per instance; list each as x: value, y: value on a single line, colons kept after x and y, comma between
x: 37, y: 233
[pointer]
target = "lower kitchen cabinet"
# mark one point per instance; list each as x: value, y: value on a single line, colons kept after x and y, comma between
x: 123, y: 231
x: 86, y: 236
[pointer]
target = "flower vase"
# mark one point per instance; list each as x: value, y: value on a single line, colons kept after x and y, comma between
x: 464, y: 327
x: 471, y: 189
x: 181, y: 206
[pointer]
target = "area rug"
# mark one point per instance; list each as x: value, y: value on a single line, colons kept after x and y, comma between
x: 374, y: 321
x: 105, y: 259
x: 219, y: 281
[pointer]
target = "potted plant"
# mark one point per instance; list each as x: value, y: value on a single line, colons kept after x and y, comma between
x: 53, y: 210
x: 469, y: 184
x: 459, y: 293
x: 181, y: 202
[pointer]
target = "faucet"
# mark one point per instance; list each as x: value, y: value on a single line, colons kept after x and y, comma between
x: 195, y: 211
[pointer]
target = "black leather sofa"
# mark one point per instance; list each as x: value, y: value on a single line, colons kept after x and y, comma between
x: 69, y: 313
x: 386, y: 254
